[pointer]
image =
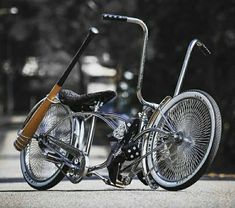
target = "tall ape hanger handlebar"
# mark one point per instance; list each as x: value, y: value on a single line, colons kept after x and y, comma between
x: 194, y: 42
x: 142, y: 60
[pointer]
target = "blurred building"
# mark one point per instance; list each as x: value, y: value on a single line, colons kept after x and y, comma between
x: 97, y: 77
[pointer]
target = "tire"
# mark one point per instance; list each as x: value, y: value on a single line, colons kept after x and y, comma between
x: 176, y: 164
x: 37, y: 171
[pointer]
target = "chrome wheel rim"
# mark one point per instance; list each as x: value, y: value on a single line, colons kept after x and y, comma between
x: 174, y: 163
x: 36, y: 164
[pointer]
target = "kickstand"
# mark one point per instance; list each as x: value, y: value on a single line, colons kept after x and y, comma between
x: 105, y: 180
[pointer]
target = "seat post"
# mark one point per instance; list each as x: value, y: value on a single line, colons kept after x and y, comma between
x: 92, y: 129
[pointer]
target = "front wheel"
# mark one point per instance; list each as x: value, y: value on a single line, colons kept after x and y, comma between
x: 178, y: 159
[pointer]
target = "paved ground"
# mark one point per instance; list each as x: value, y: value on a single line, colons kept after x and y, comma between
x: 92, y: 193
x: 14, y: 192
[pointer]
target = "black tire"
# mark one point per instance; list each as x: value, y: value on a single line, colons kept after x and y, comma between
x: 176, y: 166
x: 37, y: 171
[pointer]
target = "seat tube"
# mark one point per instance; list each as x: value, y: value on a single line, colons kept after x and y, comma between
x: 92, y: 131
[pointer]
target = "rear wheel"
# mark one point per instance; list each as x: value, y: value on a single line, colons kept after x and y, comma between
x: 37, y: 170
x: 178, y: 160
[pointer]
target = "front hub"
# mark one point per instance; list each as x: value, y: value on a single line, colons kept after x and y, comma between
x: 179, y: 138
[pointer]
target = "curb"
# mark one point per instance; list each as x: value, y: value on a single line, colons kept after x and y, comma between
x: 219, y: 176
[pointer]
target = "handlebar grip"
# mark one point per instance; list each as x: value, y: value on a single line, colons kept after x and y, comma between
x: 203, y: 48
x: 93, y: 31
x: 114, y: 17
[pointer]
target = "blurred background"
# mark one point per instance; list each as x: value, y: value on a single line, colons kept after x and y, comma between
x: 39, y: 37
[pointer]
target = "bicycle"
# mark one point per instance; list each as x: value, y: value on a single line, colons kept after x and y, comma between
x: 170, y: 144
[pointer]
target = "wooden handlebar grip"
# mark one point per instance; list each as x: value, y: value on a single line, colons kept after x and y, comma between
x: 31, y: 126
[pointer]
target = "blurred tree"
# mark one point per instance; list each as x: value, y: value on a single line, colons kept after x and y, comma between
x: 52, y: 31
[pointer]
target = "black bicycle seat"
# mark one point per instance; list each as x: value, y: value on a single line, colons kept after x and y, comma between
x: 78, y: 102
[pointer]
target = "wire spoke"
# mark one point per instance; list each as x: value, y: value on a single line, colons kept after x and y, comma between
x: 174, y: 162
x: 55, y: 124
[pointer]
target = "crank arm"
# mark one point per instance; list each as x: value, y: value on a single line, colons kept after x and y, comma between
x: 62, y: 157
x: 70, y: 149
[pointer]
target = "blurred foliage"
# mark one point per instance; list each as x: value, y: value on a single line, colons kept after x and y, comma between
x: 53, y: 30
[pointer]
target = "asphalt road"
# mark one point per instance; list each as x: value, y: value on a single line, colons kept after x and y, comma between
x: 91, y: 192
